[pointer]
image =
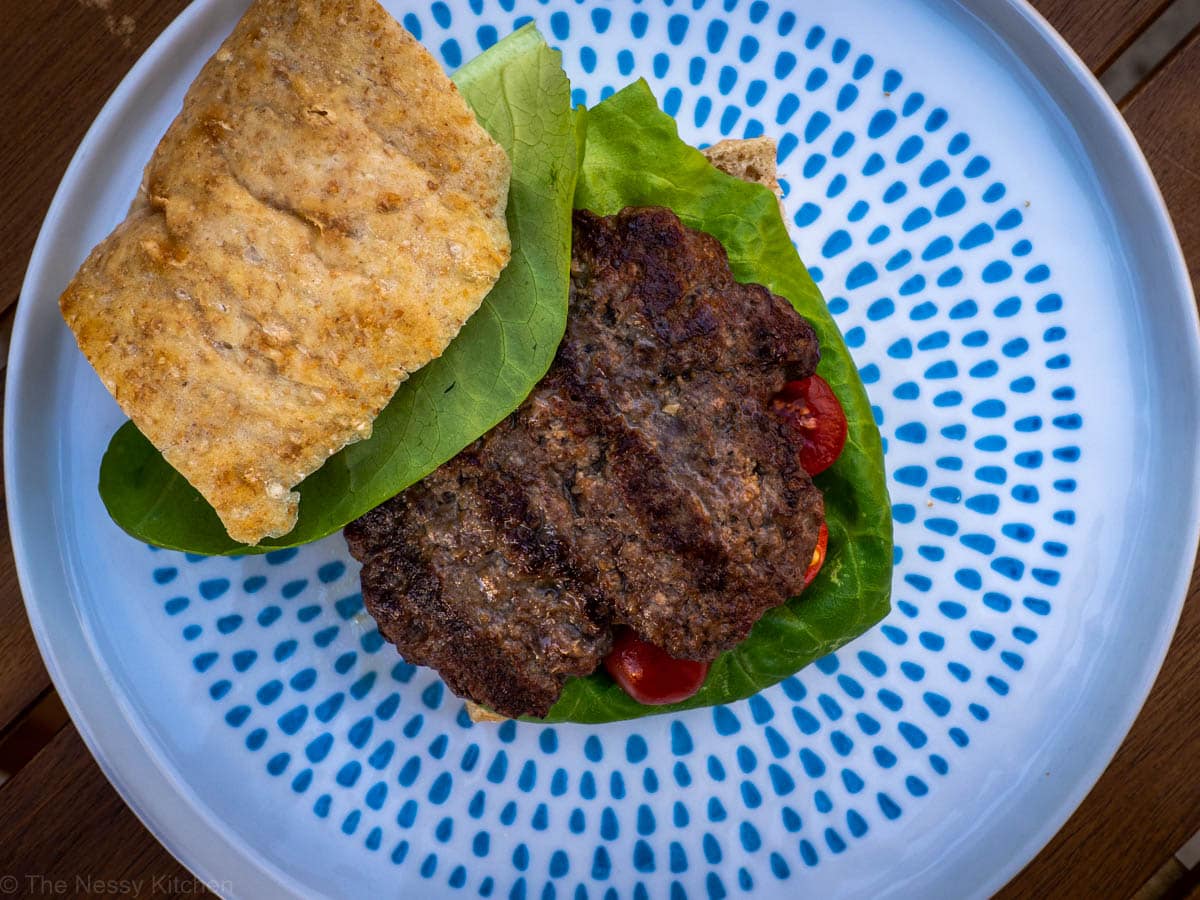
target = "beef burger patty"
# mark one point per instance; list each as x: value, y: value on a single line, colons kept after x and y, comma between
x: 644, y: 482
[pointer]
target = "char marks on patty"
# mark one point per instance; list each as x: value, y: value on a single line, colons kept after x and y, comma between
x: 644, y: 482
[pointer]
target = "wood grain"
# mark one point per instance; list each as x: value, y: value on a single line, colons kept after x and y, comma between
x: 1164, y: 113
x: 64, y: 825
x: 59, y: 61
x: 23, y: 678
x: 1099, y: 30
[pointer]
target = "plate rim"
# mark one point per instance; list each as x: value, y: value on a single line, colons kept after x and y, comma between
x: 222, y: 862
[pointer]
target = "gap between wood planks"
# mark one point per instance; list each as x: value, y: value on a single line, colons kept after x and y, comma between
x: 1151, y: 49
x: 24, y: 738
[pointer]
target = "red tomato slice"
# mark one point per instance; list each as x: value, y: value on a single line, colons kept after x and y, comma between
x: 649, y: 674
x: 817, y: 419
x: 818, y: 557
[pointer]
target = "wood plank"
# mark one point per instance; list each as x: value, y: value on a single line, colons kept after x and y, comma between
x: 1147, y: 804
x: 1165, y: 116
x: 59, y: 61
x: 23, y: 678
x: 1100, y: 30
x: 65, y: 832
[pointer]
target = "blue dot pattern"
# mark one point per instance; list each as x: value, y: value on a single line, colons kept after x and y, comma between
x: 955, y: 322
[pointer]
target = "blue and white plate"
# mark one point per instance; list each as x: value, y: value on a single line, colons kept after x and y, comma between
x: 998, y: 257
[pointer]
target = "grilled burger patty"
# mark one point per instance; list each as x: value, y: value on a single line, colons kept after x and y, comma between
x: 644, y: 482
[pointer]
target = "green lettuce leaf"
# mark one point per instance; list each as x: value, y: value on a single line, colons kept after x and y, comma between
x: 522, y: 97
x: 634, y: 157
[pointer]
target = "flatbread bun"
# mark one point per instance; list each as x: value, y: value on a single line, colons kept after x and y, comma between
x: 751, y: 159
x: 318, y: 223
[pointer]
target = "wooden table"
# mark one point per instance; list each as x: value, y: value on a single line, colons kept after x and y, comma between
x: 59, y: 818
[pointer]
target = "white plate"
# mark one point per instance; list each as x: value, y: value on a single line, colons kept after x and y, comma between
x: 1002, y: 266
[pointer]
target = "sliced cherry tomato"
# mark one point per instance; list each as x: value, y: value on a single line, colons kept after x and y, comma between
x: 818, y: 557
x: 649, y: 674
x: 817, y: 418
